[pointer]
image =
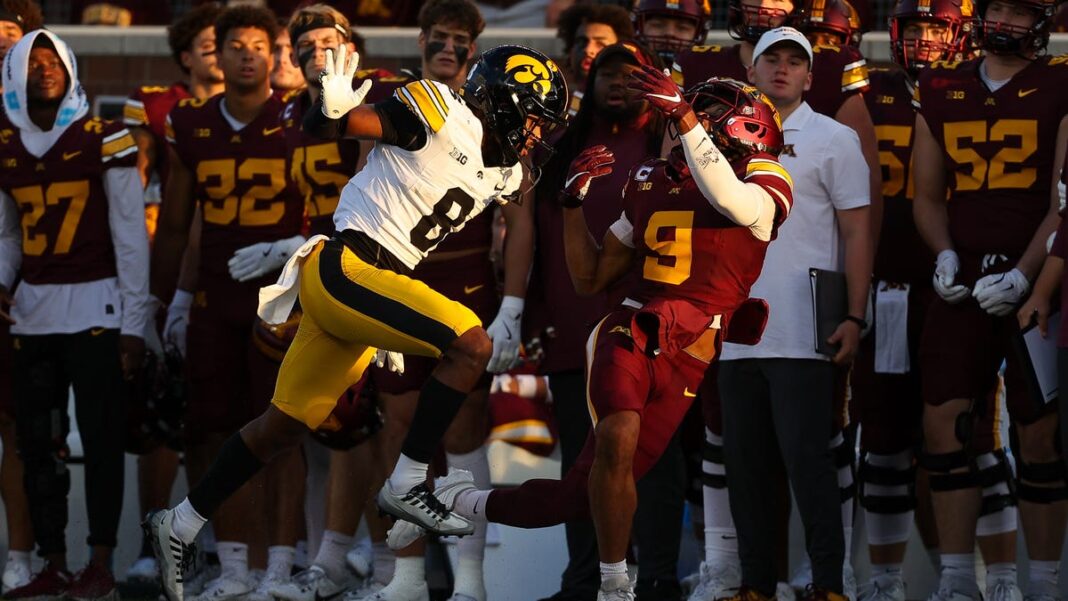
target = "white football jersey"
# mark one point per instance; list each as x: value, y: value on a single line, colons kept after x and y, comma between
x: 408, y: 201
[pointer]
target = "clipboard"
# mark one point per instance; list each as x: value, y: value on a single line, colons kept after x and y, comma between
x: 830, y: 305
x: 1038, y: 359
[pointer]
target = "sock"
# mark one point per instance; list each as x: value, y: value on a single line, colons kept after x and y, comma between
x: 384, y: 562
x: 233, y: 559
x: 468, y: 579
x: 1044, y: 578
x: 409, y: 571
x: 407, y: 474
x: 23, y: 557
x: 473, y: 547
x: 331, y: 555
x: 471, y: 504
x: 187, y: 522
x: 1004, y: 572
x: 234, y: 466
x: 960, y: 567
x: 721, y: 539
x: 438, y: 404
x: 614, y: 575
x: 885, y: 570
x: 280, y: 559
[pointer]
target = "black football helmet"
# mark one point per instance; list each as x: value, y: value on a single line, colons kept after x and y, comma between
x: 156, y: 403
x: 1001, y: 38
x: 509, y: 85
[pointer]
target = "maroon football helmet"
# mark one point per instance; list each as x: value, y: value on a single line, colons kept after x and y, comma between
x: 740, y: 119
x: 1000, y: 38
x: 830, y: 22
x: 748, y: 23
x: 957, y: 16
x: 697, y: 11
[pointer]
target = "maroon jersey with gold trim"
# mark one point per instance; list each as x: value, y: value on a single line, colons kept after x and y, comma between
x: 837, y: 73
x: 998, y: 148
x: 319, y: 168
x: 686, y: 249
x: 63, y: 209
x: 902, y: 256
x: 241, y: 184
x: 148, y: 107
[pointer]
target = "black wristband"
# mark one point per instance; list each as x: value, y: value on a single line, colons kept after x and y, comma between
x: 569, y: 201
x: 860, y: 322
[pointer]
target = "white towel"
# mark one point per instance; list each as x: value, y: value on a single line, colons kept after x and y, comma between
x: 74, y: 105
x: 277, y: 300
x: 892, y: 328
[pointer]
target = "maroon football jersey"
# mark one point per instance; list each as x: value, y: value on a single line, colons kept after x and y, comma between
x: 998, y: 149
x: 837, y: 73
x: 570, y: 315
x: 241, y: 184
x: 319, y: 168
x: 685, y: 248
x: 148, y: 107
x: 902, y: 256
x: 63, y: 210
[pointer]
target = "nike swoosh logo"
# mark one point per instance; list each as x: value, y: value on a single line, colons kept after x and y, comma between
x: 70, y: 155
x: 686, y: 393
x: 1022, y: 93
x: 573, y: 178
x: 97, y: 331
x: 269, y: 131
x: 470, y: 289
x: 675, y: 98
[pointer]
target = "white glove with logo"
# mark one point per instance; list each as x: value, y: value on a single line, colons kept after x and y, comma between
x: 391, y: 360
x: 258, y: 259
x: 504, y: 331
x: 336, y: 82
x: 999, y: 293
x: 177, y: 320
x: 946, y: 268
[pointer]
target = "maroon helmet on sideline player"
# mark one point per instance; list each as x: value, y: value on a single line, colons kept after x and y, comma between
x: 747, y: 22
x: 646, y: 13
x: 956, y: 16
x: 830, y: 23
x: 1003, y: 38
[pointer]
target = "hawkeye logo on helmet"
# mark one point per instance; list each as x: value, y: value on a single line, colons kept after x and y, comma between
x: 528, y: 70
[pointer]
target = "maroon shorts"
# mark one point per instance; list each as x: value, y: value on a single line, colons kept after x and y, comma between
x: 7, y: 397
x: 961, y: 352
x: 230, y: 380
x: 468, y: 280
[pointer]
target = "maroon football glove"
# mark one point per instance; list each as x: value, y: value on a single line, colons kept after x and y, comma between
x: 591, y: 163
x: 660, y: 91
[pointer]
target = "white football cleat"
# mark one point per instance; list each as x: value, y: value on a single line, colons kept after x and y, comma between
x: 785, y: 592
x: 883, y: 589
x: 717, y: 581
x: 224, y: 588
x: 313, y: 584
x: 394, y: 591
x: 956, y: 589
x: 1002, y: 590
x: 16, y: 575
x: 419, y: 505
x: 174, y: 556
x: 361, y: 558
x: 263, y: 587
x: 623, y: 593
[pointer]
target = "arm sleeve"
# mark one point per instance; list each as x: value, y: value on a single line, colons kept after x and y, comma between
x: 623, y: 229
x: 10, y: 241
x: 126, y: 219
x: 845, y: 172
x: 318, y: 125
x: 400, y: 126
x: 746, y: 204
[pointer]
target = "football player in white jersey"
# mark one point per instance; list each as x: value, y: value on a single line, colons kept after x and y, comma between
x: 439, y: 159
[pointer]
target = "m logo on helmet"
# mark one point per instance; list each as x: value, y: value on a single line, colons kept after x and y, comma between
x: 526, y: 69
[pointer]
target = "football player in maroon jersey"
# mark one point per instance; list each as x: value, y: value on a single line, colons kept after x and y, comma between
x: 646, y: 358
x: 586, y: 29
x: 192, y: 42
x: 17, y: 17
x: 286, y: 76
x: 886, y: 397
x: 669, y: 27
x: 988, y: 143
x: 227, y: 156
x: 82, y: 307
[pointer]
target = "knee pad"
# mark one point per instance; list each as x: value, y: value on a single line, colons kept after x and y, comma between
x: 940, y: 467
x: 996, y: 479
x: 887, y: 483
x: 713, y: 469
x: 1043, y: 483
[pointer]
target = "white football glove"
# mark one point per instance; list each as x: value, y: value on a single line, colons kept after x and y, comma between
x: 391, y: 360
x: 336, y: 82
x: 999, y: 293
x: 946, y: 268
x: 504, y: 331
x: 261, y: 258
x: 174, y: 327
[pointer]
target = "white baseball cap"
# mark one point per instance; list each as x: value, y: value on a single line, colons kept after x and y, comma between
x: 782, y: 34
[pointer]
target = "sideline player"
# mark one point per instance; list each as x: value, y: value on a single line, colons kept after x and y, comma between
x: 989, y: 141
x: 440, y: 159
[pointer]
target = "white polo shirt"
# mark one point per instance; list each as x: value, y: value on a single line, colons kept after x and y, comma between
x: 829, y: 172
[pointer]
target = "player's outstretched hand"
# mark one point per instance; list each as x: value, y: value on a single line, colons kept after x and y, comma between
x: 660, y: 91
x: 259, y: 259
x: 336, y: 82
x: 590, y: 164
